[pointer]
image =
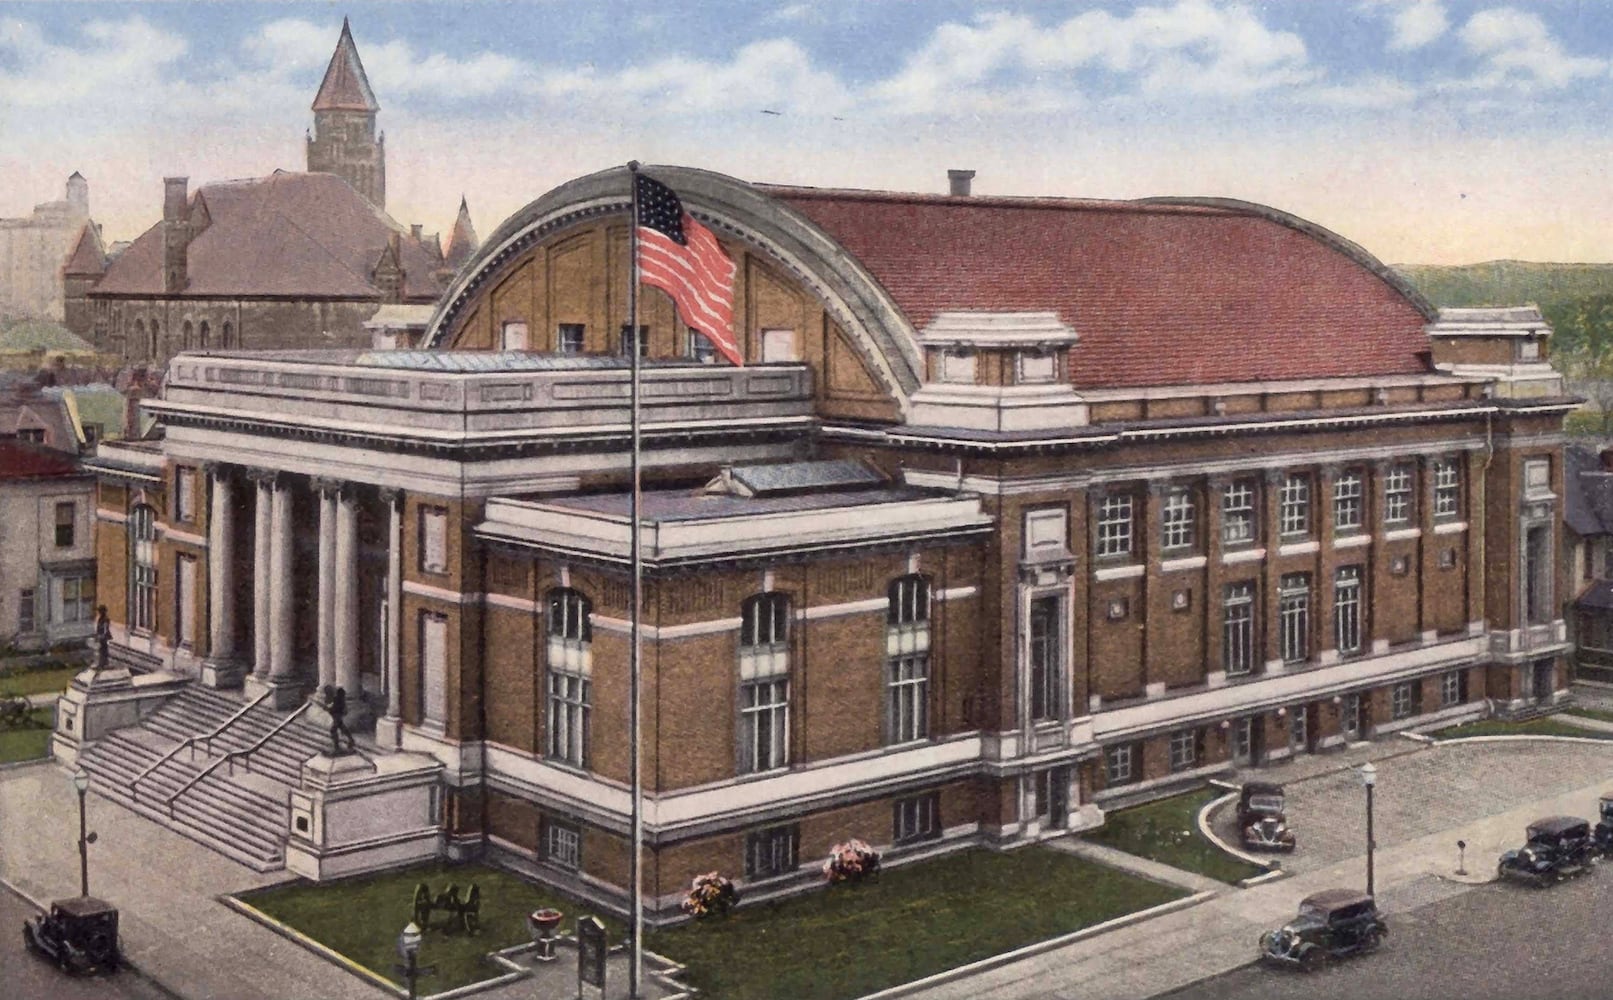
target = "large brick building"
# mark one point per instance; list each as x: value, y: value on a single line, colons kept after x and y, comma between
x: 1021, y: 508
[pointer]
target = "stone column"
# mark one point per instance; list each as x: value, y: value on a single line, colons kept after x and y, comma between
x: 281, y: 586
x: 389, y: 729
x: 221, y: 670
x: 261, y: 585
x: 344, y: 604
x: 327, y: 580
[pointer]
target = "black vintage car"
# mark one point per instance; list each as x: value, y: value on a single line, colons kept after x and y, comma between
x: 1331, y: 924
x: 1262, y: 824
x: 1557, y: 847
x: 79, y: 935
x: 1602, y: 836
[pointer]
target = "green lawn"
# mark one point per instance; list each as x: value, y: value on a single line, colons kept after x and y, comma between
x: 1589, y: 713
x: 27, y: 682
x: 846, y: 941
x: 27, y: 744
x: 1167, y: 831
x: 1532, y: 727
x: 360, y: 918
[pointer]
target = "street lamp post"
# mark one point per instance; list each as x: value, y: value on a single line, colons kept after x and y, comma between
x: 1369, y: 778
x: 409, y: 951
x: 81, y: 783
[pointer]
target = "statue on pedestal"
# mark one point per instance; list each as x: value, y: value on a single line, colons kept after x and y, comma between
x: 336, y: 705
x: 103, y: 637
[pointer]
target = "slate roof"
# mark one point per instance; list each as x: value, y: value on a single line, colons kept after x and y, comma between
x: 345, y: 87
x: 295, y: 235
x: 23, y: 460
x: 1163, y: 292
x: 1597, y: 597
x: 792, y: 477
x: 684, y: 505
x: 88, y: 256
x: 462, y: 242
x: 1588, y: 492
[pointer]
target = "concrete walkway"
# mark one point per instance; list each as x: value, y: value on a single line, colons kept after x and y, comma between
x: 1144, y: 867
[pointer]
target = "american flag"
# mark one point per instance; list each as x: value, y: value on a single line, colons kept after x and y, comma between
x: 682, y: 258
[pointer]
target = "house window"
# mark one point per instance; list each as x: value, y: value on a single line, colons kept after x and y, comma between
x: 1046, y: 532
x: 1453, y: 688
x: 1115, y: 525
x: 1402, y: 701
x: 1238, y: 512
x: 1177, y: 521
x: 1350, y: 717
x: 907, y: 651
x: 562, y: 844
x: 917, y: 818
x: 25, y: 610
x: 185, y: 494
x: 778, y: 347
x: 1120, y: 764
x: 570, y: 666
x: 1037, y: 367
x: 700, y: 349
x: 1242, y: 740
x: 1447, y: 489
x: 625, y: 345
x: 1397, y: 492
x: 33, y: 435
x: 512, y: 336
x: 185, y: 600
x: 434, y: 539
x: 764, y: 725
x: 1184, y: 749
x: 1347, y: 609
x: 1046, y: 659
x: 764, y: 620
x: 1347, y: 501
x: 433, y: 668
x: 1294, y: 614
x: 958, y: 366
x: 1237, y: 629
x: 1298, y: 727
x: 66, y: 518
x: 570, y: 337
x: 143, y: 582
x: 772, y: 852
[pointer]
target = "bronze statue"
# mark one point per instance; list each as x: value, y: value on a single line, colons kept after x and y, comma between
x: 336, y: 705
x: 103, y: 636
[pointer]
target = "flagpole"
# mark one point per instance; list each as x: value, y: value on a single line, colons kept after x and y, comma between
x: 635, y: 965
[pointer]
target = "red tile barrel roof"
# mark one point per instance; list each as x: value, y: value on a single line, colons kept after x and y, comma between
x: 24, y: 460
x: 1159, y: 293
x: 289, y: 234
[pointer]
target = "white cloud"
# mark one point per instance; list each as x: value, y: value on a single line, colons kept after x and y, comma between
x: 291, y: 47
x: 1371, y: 93
x: 1412, y: 23
x: 795, y: 13
x: 128, y: 59
x: 1518, y: 51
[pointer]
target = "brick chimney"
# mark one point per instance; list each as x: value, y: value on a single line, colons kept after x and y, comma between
x: 959, y: 181
x: 175, y: 234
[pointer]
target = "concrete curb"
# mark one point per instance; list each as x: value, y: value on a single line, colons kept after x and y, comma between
x: 124, y: 961
x: 1204, y: 828
x: 1592, y: 740
x: 323, y: 951
x: 1586, y: 722
x: 1007, y: 957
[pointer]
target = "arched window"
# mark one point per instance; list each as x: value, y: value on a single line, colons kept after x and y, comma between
x: 907, y: 660
x: 570, y: 667
x: 139, y: 333
x: 203, y: 333
x: 228, y: 338
x: 764, y: 683
x: 187, y: 332
x: 152, y: 353
x: 143, y: 568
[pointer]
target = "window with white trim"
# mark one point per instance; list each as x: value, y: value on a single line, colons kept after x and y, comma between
x: 1294, y: 617
x: 1046, y: 665
x: 699, y: 348
x: 1046, y: 532
x: 570, y: 671
x: 66, y: 524
x: 434, y: 668
x: 26, y: 620
x: 1115, y: 520
x: 1447, y: 489
x: 1178, y: 524
x: 1294, y: 518
x: 1452, y: 688
x: 917, y: 818
x: 1184, y: 749
x: 1347, y: 610
x: 1402, y: 701
x: 629, y: 338
x: 1238, y: 512
x: 1120, y: 764
x: 958, y: 366
x: 772, y: 852
x: 1350, y: 717
x: 1347, y: 508
x: 764, y: 689
x: 907, y: 660
x: 569, y: 338
x: 143, y: 568
x: 1397, y: 494
x: 185, y: 600
x: 1238, y: 629
x: 1298, y: 727
x: 77, y: 602
x: 434, y: 539
x: 185, y: 494
x: 562, y: 844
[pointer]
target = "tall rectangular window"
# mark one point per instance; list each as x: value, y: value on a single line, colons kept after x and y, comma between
x: 433, y: 668
x: 1238, y: 512
x: 77, y: 599
x: 143, y: 573
x: 1294, y: 614
x: 66, y: 518
x: 764, y: 709
x: 1114, y: 525
x: 907, y: 659
x: 700, y: 349
x: 629, y: 338
x: 569, y: 338
x: 570, y: 666
x: 512, y: 336
x: 185, y: 600
x: 1347, y: 501
x: 434, y: 539
x: 1046, y: 659
x: 1184, y: 749
x: 1347, y: 609
x: 917, y: 818
x: 1453, y: 688
x: 909, y: 681
x: 1295, y: 501
x: 1447, y: 489
x: 1397, y: 494
x: 185, y: 494
x: 1403, y: 701
x: 1120, y: 764
x: 772, y: 852
x: 568, y: 717
x: 26, y: 621
x: 1350, y: 718
x: 1237, y: 629
x: 1178, y: 524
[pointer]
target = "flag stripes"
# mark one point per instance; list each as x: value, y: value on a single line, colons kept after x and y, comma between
x: 683, y: 258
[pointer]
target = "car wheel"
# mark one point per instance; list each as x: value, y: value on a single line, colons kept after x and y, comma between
x: 28, y: 939
x: 1313, y: 960
x: 1370, y: 941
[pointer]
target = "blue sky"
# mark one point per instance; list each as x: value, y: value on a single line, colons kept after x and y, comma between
x: 1426, y: 130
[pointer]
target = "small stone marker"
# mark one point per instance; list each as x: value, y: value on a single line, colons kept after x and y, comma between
x: 590, y: 953
x: 1461, y: 857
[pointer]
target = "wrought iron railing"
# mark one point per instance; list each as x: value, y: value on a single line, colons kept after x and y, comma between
x: 243, y: 754
x: 190, y: 743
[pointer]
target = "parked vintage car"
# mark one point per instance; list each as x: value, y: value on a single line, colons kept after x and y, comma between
x: 1602, y: 836
x: 1557, y: 847
x: 1262, y: 824
x: 79, y: 935
x: 1331, y: 924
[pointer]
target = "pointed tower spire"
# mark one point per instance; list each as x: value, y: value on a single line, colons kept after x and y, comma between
x: 345, y: 87
x: 462, y: 243
x: 345, y: 141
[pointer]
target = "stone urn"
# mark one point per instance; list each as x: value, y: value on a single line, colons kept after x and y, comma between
x: 543, y: 923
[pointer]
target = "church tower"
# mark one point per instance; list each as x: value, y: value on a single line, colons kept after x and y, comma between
x: 345, y: 142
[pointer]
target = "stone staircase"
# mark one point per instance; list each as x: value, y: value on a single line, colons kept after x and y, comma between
x: 239, y: 807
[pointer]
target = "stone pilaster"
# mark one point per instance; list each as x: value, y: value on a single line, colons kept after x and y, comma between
x: 222, y: 669
x: 389, y: 728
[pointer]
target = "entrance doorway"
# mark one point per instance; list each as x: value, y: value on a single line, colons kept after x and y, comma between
x: 1543, y: 679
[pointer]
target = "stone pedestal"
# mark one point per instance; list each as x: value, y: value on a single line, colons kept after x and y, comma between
x: 223, y: 674
x: 99, y: 701
x: 287, y: 691
x: 389, y: 732
x: 357, y: 814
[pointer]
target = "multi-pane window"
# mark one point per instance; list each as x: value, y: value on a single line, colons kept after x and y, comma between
x: 570, y: 337
x: 1120, y: 764
x: 773, y: 851
x: 1177, y: 521
x: 78, y: 598
x: 764, y: 709
x: 1046, y: 659
x: 1294, y: 503
x: 764, y: 620
x: 1402, y: 701
x: 917, y: 818
x: 25, y: 610
x: 700, y: 348
x: 1347, y: 501
x: 1294, y: 616
x: 1447, y: 489
x: 434, y: 539
x: 1453, y: 688
x: 907, y: 659
x: 570, y: 669
x: 434, y: 669
x: 1238, y: 512
x: 562, y: 844
x: 1397, y: 492
x: 1350, y: 717
x: 143, y: 583
x: 185, y: 494
x: 1238, y: 629
x: 1184, y: 749
x: 629, y: 338
x: 1115, y: 525
x: 185, y: 600
x: 1298, y: 728
x: 1243, y: 739
x: 1347, y: 609
x: 66, y: 518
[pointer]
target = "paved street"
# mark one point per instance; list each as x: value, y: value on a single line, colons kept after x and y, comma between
x: 29, y: 977
x: 1494, y: 942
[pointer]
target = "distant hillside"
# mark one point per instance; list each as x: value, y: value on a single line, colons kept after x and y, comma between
x: 1508, y: 282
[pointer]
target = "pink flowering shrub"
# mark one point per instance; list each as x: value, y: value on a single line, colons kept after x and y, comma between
x: 710, y: 895
x: 851, y: 861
